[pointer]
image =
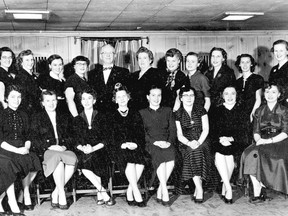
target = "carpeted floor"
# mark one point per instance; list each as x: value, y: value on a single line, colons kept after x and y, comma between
x: 181, y: 206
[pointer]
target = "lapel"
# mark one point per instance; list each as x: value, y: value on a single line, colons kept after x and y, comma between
x: 46, y: 122
x: 82, y: 114
x: 111, y: 77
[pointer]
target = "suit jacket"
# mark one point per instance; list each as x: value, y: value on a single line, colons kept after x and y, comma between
x: 224, y: 78
x: 42, y: 133
x: 140, y: 87
x: 105, y: 91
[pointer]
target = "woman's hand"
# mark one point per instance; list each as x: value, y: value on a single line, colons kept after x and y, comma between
x: 87, y: 149
x: 193, y: 144
x: 22, y: 151
x: 263, y: 141
x: 131, y: 145
x: 162, y: 144
x: 57, y: 148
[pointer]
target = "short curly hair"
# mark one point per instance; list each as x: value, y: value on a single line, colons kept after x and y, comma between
x: 238, y: 61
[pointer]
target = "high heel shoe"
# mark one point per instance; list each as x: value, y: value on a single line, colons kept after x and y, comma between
x: 158, y: 200
x: 29, y: 207
x: 228, y: 201
x: 54, y: 205
x: 17, y: 214
x: 110, y: 202
x: 140, y: 204
x: 166, y: 203
x: 199, y: 201
x: 131, y: 202
x: 261, y: 198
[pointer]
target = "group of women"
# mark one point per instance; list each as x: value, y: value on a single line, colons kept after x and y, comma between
x: 190, y: 122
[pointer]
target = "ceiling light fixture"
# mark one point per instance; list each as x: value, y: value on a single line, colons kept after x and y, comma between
x: 27, y: 15
x: 238, y: 16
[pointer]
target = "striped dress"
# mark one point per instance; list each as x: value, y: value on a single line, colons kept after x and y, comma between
x: 196, y: 162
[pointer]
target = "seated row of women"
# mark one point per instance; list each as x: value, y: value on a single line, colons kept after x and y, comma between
x: 136, y: 137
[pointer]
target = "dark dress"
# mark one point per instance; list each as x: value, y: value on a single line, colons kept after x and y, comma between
x: 171, y: 83
x: 201, y: 84
x: 31, y: 92
x: 97, y: 161
x: 196, y: 162
x: 229, y: 123
x: 159, y: 125
x: 280, y: 76
x: 78, y: 85
x: 14, y: 129
x: 246, y: 92
x: 49, y: 83
x: 43, y: 136
x: 268, y: 163
x: 225, y: 77
x: 140, y: 87
x: 8, y: 172
x: 128, y: 129
x: 104, y: 90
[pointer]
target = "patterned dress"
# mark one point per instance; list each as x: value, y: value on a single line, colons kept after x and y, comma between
x: 196, y: 162
x: 14, y: 130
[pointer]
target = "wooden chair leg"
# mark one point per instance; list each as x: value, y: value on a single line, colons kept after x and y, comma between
x: 38, y: 193
x: 74, y: 188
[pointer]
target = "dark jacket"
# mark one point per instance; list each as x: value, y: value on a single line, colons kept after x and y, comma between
x: 42, y: 132
x: 105, y: 91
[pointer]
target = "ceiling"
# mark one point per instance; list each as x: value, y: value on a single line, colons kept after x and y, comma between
x: 144, y: 15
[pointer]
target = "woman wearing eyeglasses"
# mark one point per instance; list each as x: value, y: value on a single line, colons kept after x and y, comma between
x: 75, y: 84
x: 192, y: 131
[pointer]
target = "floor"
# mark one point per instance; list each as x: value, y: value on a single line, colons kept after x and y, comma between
x: 181, y: 206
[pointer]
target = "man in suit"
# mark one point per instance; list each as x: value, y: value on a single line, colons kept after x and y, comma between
x: 104, y: 77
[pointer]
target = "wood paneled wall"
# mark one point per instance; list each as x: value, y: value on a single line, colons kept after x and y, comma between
x: 256, y: 43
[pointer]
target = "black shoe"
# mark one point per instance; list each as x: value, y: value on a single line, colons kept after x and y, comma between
x: 166, y: 203
x: 110, y: 202
x: 228, y: 201
x: 193, y: 198
x: 130, y: 202
x: 54, y: 205
x: 158, y: 200
x: 198, y: 201
x: 17, y: 214
x: 63, y: 207
x: 29, y: 207
x: 140, y: 204
x: 222, y: 197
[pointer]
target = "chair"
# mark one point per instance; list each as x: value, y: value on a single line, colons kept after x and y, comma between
x: 44, y: 188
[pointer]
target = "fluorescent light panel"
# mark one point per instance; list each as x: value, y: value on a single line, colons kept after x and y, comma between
x: 239, y: 16
x: 27, y: 14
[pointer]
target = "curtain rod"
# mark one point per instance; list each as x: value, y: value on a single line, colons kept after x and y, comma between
x: 114, y: 38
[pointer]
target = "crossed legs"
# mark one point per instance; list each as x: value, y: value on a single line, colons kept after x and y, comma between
x: 133, y: 173
x: 96, y: 181
x: 225, y: 167
x: 163, y: 172
x: 62, y: 174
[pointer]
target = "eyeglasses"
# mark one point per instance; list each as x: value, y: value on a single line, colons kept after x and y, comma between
x: 188, y: 95
x: 107, y: 53
x: 81, y: 64
x: 6, y: 57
